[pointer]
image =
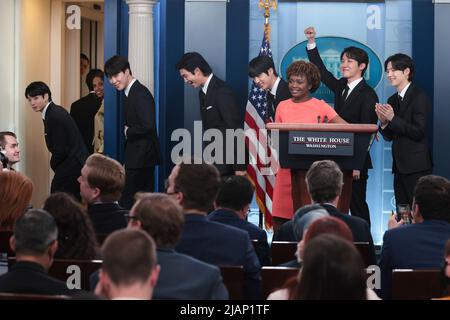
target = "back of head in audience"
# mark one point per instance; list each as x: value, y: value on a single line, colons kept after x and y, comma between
x: 102, y: 179
x: 160, y: 216
x: 305, y: 216
x: 332, y: 270
x: 35, y: 237
x: 195, y: 186
x: 129, y: 268
x: 235, y: 193
x: 432, y: 199
x: 324, y: 181
x: 15, y: 195
x: 328, y: 225
x: 76, y: 239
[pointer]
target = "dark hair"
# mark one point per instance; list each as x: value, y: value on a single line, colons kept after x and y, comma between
x: 76, y: 236
x: 261, y: 64
x: 84, y: 57
x: 235, y: 193
x: 34, y: 232
x: 129, y: 257
x: 357, y: 54
x: 328, y: 225
x: 38, y: 88
x: 92, y: 74
x: 305, y: 216
x: 401, y: 61
x: 432, y: 195
x: 107, y: 175
x: 306, y: 69
x: 15, y: 195
x: 199, y: 184
x: 332, y: 270
x: 161, y: 217
x: 324, y: 180
x: 192, y: 60
x: 3, y: 135
x: 116, y: 65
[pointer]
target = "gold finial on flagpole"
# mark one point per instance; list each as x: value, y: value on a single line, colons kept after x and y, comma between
x: 267, y: 5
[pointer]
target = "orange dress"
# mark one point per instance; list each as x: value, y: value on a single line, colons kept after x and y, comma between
x: 291, y: 112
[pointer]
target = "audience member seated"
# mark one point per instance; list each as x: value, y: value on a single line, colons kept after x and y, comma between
x: 302, y: 219
x: 15, y: 195
x: 332, y: 270
x: 321, y: 225
x: 129, y: 269
x: 76, y: 237
x: 195, y: 187
x: 162, y: 218
x: 324, y: 181
x: 231, y: 208
x: 10, y: 148
x: 101, y: 184
x: 418, y: 245
x: 35, y: 243
x: 84, y: 109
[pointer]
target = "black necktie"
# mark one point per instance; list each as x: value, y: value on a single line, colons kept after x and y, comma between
x: 400, y: 98
x: 345, y: 93
x: 202, y: 99
x: 270, y: 106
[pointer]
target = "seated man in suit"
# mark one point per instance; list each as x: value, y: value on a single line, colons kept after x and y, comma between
x: 35, y: 243
x: 84, y: 109
x: 419, y: 245
x: 101, y: 183
x: 62, y: 137
x: 324, y: 181
x: 162, y: 218
x: 195, y: 187
x: 129, y: 269
x: 232, y: 206
x: 262, y: 70
x: 10, y: 147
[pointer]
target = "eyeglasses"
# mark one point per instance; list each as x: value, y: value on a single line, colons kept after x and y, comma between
x: 129, y: 217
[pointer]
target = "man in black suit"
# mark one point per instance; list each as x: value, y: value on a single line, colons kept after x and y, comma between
x: 209, y: 241
x: 35, y: 243
x: 101, y: 184
x: 262, y: 70
x: 62, y: 137
x: 404, y: 122
x: 354, y: 101
x: 217, y: 108
x: 83, y: 110
x: 232, y: 206
x: 142, y: 145
x: 162, y: 218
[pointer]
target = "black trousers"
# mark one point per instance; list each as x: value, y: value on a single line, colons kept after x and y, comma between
x: 404, y: 185
x: 358, y: 204
x: 137, y: 180
x: 67, y: 182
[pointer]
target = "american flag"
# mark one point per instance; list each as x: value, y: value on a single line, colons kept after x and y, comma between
x: 257, y: 170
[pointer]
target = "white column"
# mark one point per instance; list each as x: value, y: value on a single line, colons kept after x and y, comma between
x: 140, y: 45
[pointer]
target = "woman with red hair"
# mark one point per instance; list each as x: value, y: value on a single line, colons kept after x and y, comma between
x: 15, y: 195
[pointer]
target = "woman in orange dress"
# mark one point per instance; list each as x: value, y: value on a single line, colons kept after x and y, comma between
x: 303, y: 79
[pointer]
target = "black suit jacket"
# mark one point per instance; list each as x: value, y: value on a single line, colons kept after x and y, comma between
x: 408, y: 132
x: 64, y: 141
x: 107, y: 217
x: 142, y: 146
x: 218, y: 111
x: 31, y: 278
x: 83, y: 113
x: 359, y: 107
x: 232, y: 219
x: 219, y: 244
x: 177, y: 278
x: 282, y: 94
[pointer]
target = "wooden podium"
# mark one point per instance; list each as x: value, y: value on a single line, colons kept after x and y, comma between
x: 302, y: 144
